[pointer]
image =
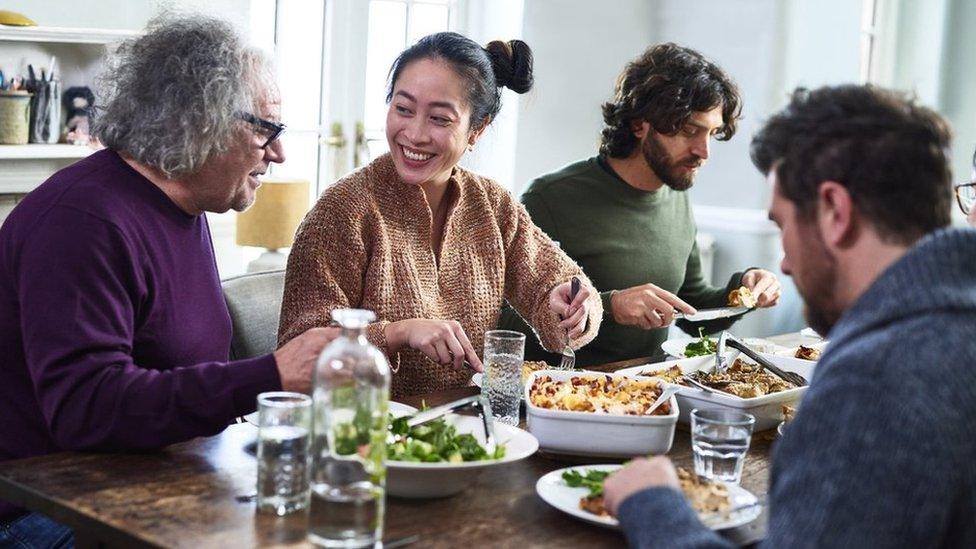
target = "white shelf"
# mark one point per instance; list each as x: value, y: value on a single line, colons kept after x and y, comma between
x: 64, y: 35
x: 39, y: 152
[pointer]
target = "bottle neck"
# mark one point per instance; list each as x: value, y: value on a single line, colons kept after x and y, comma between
x: 353, y: 332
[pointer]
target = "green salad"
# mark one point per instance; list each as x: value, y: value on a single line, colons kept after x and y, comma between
x: 435, y: 441
x: 592, y: 480
x: 704, y: 346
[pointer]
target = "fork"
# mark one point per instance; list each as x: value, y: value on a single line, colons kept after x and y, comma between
x: 569, y: 356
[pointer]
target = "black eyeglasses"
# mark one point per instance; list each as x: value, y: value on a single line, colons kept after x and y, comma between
x: 271, y: 130
x: 966, y: 196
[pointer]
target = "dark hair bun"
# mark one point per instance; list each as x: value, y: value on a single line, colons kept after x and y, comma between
x: 512, y: 63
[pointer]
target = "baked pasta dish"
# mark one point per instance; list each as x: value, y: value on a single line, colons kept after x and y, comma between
x: 742, y: 297
x: 599, y: 394
x: 741, y: 379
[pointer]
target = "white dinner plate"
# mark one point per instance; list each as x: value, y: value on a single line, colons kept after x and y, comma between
x: 554, y: 491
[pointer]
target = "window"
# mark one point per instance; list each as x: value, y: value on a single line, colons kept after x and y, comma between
x: 869, y: 41
x: 394, y: 25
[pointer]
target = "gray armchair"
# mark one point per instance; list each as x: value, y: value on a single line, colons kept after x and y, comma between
x: 254, y: 302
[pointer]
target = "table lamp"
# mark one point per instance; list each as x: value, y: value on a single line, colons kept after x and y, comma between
x: 271, y: 222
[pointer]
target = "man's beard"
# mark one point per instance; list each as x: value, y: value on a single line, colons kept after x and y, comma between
x: 665, y: 168
x: 817, y: 285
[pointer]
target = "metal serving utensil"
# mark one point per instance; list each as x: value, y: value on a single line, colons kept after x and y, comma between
x: 729, y: 340
x: 688, y: 379
x: 478, y: 401
x: 665, y: 396
x: 569, y: 356
x: 439, y: 411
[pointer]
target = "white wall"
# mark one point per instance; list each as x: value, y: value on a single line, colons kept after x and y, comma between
x: 957, y: 100
x: 580, y: 46
x: 496, y: 152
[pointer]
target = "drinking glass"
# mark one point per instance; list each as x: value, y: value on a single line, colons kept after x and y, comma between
x: 284, y: 425
x: 504, y: 350
x: 720, y: 440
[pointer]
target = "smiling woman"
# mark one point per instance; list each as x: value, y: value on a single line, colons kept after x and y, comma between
x: 432, y: 248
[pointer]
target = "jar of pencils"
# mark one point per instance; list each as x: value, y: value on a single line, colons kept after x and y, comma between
x: 14, y: 117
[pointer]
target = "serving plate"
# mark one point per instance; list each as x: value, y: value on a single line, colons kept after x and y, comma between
x: 553, y: 490
x: 767, y: 409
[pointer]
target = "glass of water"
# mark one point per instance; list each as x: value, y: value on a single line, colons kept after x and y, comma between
x: 504, y: 350
x: 284, y: 424
x: 720, y: 440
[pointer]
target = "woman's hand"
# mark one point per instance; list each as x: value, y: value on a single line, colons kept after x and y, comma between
x: 443, y: 341
x: 572, y: 311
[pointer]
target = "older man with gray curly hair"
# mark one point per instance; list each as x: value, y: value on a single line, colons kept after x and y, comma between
x: 113, y: 328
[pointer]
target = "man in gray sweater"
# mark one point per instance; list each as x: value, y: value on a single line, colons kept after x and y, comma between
x: 883, y: 450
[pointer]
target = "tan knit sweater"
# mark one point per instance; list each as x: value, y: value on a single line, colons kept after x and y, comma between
x: 367, y: 244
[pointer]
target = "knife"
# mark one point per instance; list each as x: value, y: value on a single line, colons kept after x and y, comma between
x: 479, y: 401
x: 711, y: 314
x: 438, y: 411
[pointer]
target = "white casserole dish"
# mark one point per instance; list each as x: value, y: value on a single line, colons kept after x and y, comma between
x: 767, y: 409
x: 597, y: 434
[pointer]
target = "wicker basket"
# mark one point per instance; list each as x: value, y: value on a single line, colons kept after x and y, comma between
x: 14, y: 117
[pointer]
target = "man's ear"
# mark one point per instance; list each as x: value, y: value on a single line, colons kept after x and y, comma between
x: 836, y: 217
x: 640, y: 128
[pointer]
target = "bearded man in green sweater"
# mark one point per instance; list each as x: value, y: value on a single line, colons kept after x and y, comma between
x: 624, y: 216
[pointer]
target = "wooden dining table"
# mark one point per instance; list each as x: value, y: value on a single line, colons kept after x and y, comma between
x: 199, y: 493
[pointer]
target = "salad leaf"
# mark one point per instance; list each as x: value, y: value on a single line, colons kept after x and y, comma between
x: 592, y: 480
x: 435, y: 441
x: 704, y: 346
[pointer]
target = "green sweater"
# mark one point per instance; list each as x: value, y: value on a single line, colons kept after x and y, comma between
x: 621, y: 237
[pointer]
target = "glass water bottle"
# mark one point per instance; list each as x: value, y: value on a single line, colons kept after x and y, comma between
x: 351, y: 401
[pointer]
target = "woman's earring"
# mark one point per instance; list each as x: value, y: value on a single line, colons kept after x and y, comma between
x: 470, y: 147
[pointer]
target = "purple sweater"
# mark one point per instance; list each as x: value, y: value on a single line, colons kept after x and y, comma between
x: 113, y: 329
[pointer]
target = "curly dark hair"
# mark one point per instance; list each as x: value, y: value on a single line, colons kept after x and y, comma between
x: 890, y: 153
x: 664, y: 86
x: 484, y: 70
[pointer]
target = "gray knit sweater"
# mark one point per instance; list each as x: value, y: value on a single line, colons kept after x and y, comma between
x: 883, y: 450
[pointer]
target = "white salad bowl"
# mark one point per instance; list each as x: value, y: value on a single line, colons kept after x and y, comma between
x: 408, y: 479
